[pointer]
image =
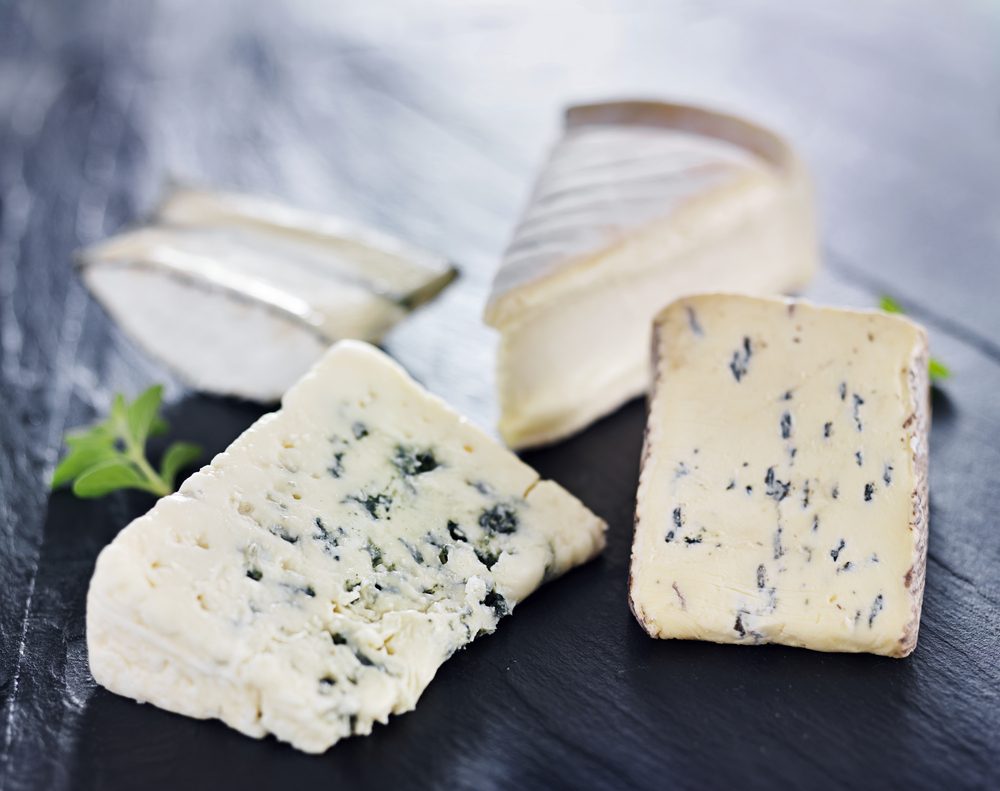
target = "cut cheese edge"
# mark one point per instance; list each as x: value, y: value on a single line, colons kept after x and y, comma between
x: 240, y: 295
x: 783, y: 492
x: 310, y: 580
x: 639, y: 203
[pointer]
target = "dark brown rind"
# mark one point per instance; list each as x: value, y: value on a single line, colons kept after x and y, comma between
x: 917, y: 427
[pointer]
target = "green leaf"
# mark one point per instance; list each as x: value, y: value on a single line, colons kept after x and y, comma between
x: 938, y: 370
x: 111, y: 454
x: 178, y: 456
x: 99, y: 432
x: 117, y: 422
x: 81, y: 457
x: 158, y: 427
x: 889, y: 305
x: 109, y: 476
x: 141, y: 414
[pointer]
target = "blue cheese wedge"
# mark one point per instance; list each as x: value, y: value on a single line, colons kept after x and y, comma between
x: 639, y: 203
x: 272, y: 286
x: 783, y: 493
x: 310, y: 581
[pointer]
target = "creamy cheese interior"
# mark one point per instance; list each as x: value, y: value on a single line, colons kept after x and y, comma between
x: 783, y: 493
x: 241, y: 295
x: 311, y: 580
x: 565, y: 365
x: 625, y: 217
x: 219, y: 341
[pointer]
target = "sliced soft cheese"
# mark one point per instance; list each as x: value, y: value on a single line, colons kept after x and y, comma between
x: 310, y: 580
x: 639, y: 203
x: 241, y: 295
x: 783, y: 493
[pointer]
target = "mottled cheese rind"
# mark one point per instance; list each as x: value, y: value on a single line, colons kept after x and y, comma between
x: 310, y: 580
x: 783, y: 492
x: 639, y: 203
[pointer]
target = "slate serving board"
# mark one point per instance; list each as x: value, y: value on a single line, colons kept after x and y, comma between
x: 428, y: 120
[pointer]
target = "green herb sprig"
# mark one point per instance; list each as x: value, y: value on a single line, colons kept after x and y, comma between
x: 111, y: 455
x: 937, y: 369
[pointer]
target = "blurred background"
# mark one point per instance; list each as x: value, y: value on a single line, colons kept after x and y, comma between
x: 429, y: 120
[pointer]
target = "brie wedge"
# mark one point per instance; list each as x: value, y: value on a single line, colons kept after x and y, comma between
x: 241, y: 295
x: 639, y: 203
x: 783, y: 493
x: 310, y: 581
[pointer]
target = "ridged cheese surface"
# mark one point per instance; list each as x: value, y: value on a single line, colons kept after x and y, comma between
x: 638, y: 204
x: 603, y: 182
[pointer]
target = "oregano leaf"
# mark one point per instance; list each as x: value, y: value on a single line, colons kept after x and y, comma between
x: 158, y: 427
x: 111, y: 454
x: 178, y: 456
x: 141, y: 413
x: 81, y: 457
x: 889, y: 305
x: 109, y: 476
x: 936, y: 369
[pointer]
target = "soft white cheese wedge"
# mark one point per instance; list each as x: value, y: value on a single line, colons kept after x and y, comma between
x: 241, y: 295
x: 310, y: 580
x: 639, y: 203
x: 783, y: 493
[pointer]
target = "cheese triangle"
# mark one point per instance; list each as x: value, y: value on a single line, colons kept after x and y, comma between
x: 311, y: 579
x: 638, y: 204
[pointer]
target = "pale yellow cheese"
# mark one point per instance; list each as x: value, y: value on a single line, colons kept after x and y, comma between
x: 783, y: 493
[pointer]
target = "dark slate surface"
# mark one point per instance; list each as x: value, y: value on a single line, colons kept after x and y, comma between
x: 427, y: 119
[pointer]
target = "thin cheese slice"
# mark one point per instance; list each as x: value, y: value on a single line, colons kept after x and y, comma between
x: 783, y: 494
x: 240, y: 295
x: 310, y: 580
x: 639, y: 203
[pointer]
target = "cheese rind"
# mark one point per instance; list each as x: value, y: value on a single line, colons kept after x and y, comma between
x: 639, y: 203
x: 310, y: 580
x: 290, y: 281
x: 783, y: 492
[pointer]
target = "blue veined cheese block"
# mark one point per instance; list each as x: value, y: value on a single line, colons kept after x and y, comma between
x: 311, y: 580
x: 783, y: 493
